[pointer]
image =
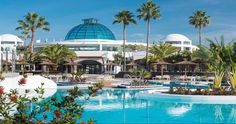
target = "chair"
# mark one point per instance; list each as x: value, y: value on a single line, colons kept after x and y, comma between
x: 182, y: 77
x: 167, y: 77
x: 191, y: 78
x: 157, y: 77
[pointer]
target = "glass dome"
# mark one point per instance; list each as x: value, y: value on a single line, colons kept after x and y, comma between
x: 90, y: 30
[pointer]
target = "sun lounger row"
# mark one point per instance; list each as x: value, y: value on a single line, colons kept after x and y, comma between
x: 164, y: 77
x: 184, y: 78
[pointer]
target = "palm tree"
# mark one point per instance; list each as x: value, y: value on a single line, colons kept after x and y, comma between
x: 148, y: 11
x: 31, y: 23
x: 118, y: 58
x: 201, y: 55
x: 57, y: 53
x: 125, y: 17
x: 199, y: 20
x: 222, y: 62
x: 141, y: 74
x: 162, y: 51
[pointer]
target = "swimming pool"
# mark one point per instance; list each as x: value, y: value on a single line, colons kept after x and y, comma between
x: 125, y: 106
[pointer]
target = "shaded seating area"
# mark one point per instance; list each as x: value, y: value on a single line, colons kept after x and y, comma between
x: 24, y: 67
x: 162, y: 65
x: 108, y: 67
x: 165, y: 71
x: 131, y: 65
x: 73, y: 66
x: 47, y: 66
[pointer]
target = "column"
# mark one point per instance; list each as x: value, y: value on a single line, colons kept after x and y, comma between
x: 100, y: 47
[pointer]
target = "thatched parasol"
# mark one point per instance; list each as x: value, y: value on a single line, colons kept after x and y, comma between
x: 185, y: 63
x: 23, y: 63
x: 132, y: 63
x: 47, y: 63
x: 72, y: 63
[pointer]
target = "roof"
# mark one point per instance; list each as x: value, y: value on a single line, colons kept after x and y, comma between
x: 90, y: 30
x: 10, y: 37
x: 185, y: 63
x: 176, y: 37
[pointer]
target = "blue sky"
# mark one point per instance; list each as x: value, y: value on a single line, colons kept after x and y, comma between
x: 65, y: 14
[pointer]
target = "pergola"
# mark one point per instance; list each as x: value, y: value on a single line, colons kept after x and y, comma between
x: 161, y: 63
x: 45, y: 65
x: 73, y: 66
x: 22, y: 65
x: 186, y: 65
x: 132, y: 64
x: 110, y: 65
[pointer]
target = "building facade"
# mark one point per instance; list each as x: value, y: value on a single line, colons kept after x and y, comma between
x: 95, y: 45
x: 180, y: 41
x: 8, y: 45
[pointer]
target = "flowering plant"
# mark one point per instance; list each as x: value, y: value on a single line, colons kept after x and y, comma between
x: 22, y: 109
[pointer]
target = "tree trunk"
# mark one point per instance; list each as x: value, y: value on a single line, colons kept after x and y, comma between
x: 162, y: 71
x: 32, y: 42
x: 124, y: 43
x: 200, y: 35
x: 147, y: 48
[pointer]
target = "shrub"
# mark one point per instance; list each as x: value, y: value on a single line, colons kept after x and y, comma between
x: 27, y: 110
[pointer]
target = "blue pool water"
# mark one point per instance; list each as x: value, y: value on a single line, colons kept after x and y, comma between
x: 125, y: 106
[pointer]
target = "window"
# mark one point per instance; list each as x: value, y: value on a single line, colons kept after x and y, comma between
x: 84, y: 48
x: 186, y: 42
x: 7, y: 42
x: 173, y: 42
x: 186, y: 48
x: 107, y: 47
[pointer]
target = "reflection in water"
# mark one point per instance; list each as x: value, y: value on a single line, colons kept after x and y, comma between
x: 124, y: 106
x: 218, y: 114
x: 179, y: 109
x: 232, y: 116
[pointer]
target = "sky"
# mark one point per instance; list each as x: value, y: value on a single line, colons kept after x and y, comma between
x: 65, y: 14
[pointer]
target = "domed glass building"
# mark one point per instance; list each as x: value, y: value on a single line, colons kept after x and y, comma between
x: 90, y: 30
x: 95, y: 46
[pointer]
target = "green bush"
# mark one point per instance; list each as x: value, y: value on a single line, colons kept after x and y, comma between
x: 21, y: 109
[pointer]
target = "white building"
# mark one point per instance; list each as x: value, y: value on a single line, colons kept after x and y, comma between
x: 8, y: 45
x: 94, y: 44
x: 180, y: 41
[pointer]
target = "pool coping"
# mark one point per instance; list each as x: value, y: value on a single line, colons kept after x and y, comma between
x: 198, y: 99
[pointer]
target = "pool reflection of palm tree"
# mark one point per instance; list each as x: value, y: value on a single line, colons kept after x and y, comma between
x: 123, y: 105
x: 218, y: 114
x: 232, y: 116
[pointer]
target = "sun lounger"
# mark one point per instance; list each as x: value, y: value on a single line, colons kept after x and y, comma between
x: 191, y: 78
x: 166, y: 77
x: 157, y: 77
